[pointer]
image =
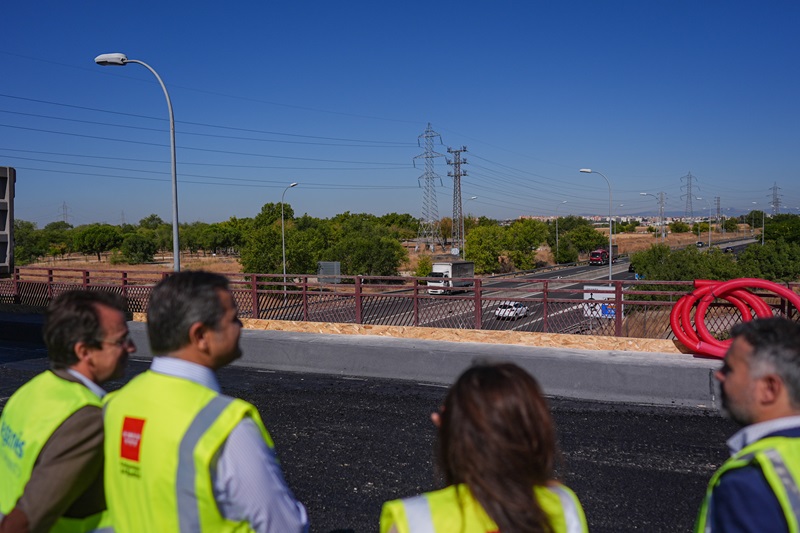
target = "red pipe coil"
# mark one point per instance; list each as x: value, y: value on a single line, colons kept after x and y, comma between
x: 698, y: 338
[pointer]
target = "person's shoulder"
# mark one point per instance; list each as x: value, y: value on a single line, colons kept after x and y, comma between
x: 743, y: 498
x: 64, y: 374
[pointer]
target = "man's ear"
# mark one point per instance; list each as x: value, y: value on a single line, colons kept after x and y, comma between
x: 771, y: 388
x: 82, y: 350
x: 197, y: 335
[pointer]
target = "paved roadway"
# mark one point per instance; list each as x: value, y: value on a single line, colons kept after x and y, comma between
x: 348, y: 444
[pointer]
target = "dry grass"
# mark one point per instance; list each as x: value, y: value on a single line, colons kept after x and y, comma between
x: 220, y: 264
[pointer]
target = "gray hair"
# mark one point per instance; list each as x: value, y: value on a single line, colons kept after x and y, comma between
x: 776, y: 349
x: 179, y: 301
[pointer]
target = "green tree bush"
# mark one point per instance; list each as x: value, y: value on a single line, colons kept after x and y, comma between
x: 96, y: 239
x: 137, y: 248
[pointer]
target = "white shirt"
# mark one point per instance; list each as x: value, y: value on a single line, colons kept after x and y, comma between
x: 247, y: 479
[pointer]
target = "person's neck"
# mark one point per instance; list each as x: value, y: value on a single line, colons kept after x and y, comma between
x: 776, y: 412
x: 83, y: 369
x: 192, y: 355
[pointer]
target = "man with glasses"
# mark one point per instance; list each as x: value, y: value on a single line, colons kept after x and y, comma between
x: 180, y: 455
x: 51, y: 429
x: 757, y: 488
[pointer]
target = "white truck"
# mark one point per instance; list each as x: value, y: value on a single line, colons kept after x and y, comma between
x: 447, y: 277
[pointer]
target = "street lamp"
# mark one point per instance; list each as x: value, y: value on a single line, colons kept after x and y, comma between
x: 660, y: 213
x: 463, y: 234
x: 557, y: 206
x: 122, y: 60
x: 283, y: 239
x: 610, y: 226
x: 709, y: 221
x: 763, y: 227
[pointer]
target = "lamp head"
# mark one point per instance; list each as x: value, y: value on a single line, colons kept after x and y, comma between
x: 293, y: 184
x: 586, y: 170
x: 111, y: 59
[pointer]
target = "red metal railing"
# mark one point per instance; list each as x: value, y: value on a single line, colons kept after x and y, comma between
x: 627, y: 308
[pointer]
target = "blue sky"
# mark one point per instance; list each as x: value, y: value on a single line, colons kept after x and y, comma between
x: 333, y: 95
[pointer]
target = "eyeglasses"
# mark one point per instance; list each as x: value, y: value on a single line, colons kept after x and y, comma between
x: 121, y: 343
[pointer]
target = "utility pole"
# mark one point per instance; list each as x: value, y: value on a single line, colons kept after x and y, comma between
x: 458, y: 214
x: 662, y: 198
x: 429, y: 233
x: 65, y: 212
x: 688, y: 212
x: 716, y: 202
x: 776, y: 199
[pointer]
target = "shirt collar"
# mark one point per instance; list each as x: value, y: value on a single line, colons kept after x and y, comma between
x: 91, y: 385
x: 172, y: 366
x: 754, y: 432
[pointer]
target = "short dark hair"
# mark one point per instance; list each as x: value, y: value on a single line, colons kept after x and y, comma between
x: 776, y: 348
x: 74, y: 317
x: 179, y: 301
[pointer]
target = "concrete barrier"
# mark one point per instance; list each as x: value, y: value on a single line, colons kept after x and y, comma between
x: 630, y: 377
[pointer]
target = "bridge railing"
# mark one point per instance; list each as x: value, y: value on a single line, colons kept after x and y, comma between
x: 625, y: 308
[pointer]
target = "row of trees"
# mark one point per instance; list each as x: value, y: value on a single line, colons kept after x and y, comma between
x: 777, y: 260
x: 365, y: 244
x: 371, y: 245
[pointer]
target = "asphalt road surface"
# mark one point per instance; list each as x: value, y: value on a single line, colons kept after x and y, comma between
x: 347, y: 445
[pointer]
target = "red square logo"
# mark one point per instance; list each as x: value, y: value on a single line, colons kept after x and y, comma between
x: 131, y: 438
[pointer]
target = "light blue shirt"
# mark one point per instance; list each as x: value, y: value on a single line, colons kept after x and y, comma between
x: 247, y: 479
x: 91, y: 385
x: 754, y: 432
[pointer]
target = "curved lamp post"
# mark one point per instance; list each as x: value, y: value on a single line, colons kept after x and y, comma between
x: 610, y: 222
x: 464, y: 235
x: 122, y: 60
x: 283, y: 239
x: 660, y: 214
x: 557, y: 206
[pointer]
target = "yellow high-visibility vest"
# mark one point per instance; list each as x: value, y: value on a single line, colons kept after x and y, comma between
x: 778, y: 458
x: 29, y: 419
x: 162, y: 433
x: 455, y: 510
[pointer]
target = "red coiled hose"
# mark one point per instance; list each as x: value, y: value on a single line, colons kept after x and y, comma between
x: 698, y: 338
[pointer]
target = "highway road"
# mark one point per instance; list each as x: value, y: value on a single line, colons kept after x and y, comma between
x: 348, y: 444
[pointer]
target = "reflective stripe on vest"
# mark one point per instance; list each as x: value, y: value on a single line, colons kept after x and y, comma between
x: 572, y: 515
x: 159, y: 470
x: 786, y: 478
x: 418, y: 515
x: 765, y: 454
x: 188, y: 511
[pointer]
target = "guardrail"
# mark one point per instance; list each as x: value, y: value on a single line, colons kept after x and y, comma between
x: 626, y: 308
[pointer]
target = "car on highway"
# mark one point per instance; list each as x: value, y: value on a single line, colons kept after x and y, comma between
x: 631, y: 268
x: 700, y: 244
x: 729, y: 249
x: 512, y: 310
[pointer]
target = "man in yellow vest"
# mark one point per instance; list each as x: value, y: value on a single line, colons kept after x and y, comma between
x: 51, y: 429
x: 179, y: 455
x: 757, y: 488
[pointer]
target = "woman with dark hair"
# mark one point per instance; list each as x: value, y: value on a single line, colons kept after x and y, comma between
x: 496, y: 450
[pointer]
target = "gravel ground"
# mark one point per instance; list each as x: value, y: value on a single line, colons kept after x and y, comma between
x: 347, y: 445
